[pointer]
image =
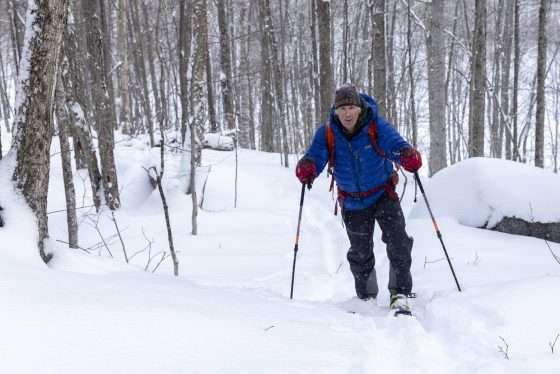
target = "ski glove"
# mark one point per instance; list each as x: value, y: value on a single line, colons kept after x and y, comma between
x: 411, y: 160
x: 306, y: 171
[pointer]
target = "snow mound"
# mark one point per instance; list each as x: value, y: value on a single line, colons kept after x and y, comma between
x: 218, y: 141
x: 480, y: 192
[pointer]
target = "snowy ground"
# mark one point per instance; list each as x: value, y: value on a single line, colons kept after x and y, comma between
x: 229, y: 310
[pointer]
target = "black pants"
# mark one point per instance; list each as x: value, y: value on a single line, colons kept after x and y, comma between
x: 359, y: 227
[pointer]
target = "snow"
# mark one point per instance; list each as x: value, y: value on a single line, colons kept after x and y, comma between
x: 482, y: 191
x: 229, y: 310
x: 218, y: 141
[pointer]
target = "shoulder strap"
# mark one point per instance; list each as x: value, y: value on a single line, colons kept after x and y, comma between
x: 330, y: 146
x: 372, y: 132
x: 330, y: 149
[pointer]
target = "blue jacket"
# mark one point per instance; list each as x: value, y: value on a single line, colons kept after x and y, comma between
x: 357, y: 166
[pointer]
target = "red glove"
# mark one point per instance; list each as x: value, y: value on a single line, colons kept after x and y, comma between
x: 411, y: 160
x: 306, y: 171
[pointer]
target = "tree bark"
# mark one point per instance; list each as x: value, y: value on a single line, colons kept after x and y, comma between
x: 436, y: 86
x: 199, y: 96
x: 123, y: 71
x: 505, y: 123
x: 326, y: 76
x: 184, y: 55
x: 225, y: 59
x: 267, y: 105
x: 34, y: 120
x: 63, y: 122
x: 103, y: 113
x: 478, y: 82
x: 378, y: 52
x: 516, y: 63
x: 413, y: 122
x: 541, y: 77
x: 73, y: 81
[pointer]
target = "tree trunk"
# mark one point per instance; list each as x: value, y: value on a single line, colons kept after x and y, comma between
x: 267, y: 128
x: 199, y: 96
x: 278, y: 78
x: 516, y: 63
x: 413, y: 124
x: 541, y: 77
x: 34, y: 120
x: 478, y: 83
x: 436, y: 85
x: 184, y: 55
x: 378, y: 52
x: 73, y: 81
x: 123, y: 71
x: 326, y: 75
x: 63, y: 122
x: 505, y: 123
x: 108, y: 62
x: 345, y: 42
x: 149, y: 43
x: 139, y: 53
x: 315, y: 74
x: 103, y: 115
x: 16, y: 32
x: 225, y: 59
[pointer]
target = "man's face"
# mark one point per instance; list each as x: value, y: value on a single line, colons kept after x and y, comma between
x: 348, y: 116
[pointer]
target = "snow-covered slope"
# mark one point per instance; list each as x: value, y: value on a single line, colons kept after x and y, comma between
x: 229, y: 310
x: 482, y: 191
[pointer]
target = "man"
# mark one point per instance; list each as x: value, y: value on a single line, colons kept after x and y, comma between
x: 360, y: 147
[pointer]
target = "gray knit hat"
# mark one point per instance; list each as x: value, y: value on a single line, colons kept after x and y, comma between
x: 347, y: 95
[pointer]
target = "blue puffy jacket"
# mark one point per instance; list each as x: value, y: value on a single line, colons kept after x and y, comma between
x: 357, y: 166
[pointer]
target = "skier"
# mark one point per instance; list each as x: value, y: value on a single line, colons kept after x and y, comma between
x: 360, y: 147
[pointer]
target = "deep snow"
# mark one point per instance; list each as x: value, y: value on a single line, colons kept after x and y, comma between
x: 229, y: 310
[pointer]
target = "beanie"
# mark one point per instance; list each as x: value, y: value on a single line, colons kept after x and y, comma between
x: 347, y: 95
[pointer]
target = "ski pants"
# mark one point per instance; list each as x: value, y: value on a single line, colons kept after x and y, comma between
x: 359, y: 227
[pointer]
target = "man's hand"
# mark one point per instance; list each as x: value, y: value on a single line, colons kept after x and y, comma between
x: 411, y: 160
x: 306, y: 171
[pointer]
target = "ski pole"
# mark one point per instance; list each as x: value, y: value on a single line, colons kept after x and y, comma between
x: 297, y: 238
x: 417, y: 178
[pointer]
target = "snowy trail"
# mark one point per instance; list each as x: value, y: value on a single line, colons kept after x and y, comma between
x: 229, y: 311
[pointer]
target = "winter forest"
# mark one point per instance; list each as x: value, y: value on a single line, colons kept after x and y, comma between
x: 458, y: 78
x: 162, y: 135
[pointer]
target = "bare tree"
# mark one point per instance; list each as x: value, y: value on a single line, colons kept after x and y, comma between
x: 378, y: 52
x: 267, y: 94
x: 225, y: 58
x: 123, y: 71
x: 436, y: 83
x: 34, y: 121
x: 516, y: 68
x: 541, y: 77
x: 325, y: 64
x: 63, y: 122
x: 103, y: 111
x: 199, y: 96
x: 478, y: 82
x: 184, y: 55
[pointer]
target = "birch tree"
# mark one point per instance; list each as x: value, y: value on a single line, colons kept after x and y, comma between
x: 436, y: 87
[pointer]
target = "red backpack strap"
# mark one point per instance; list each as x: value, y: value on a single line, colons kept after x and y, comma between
x: 372, y: 132
x: 330, y: 148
